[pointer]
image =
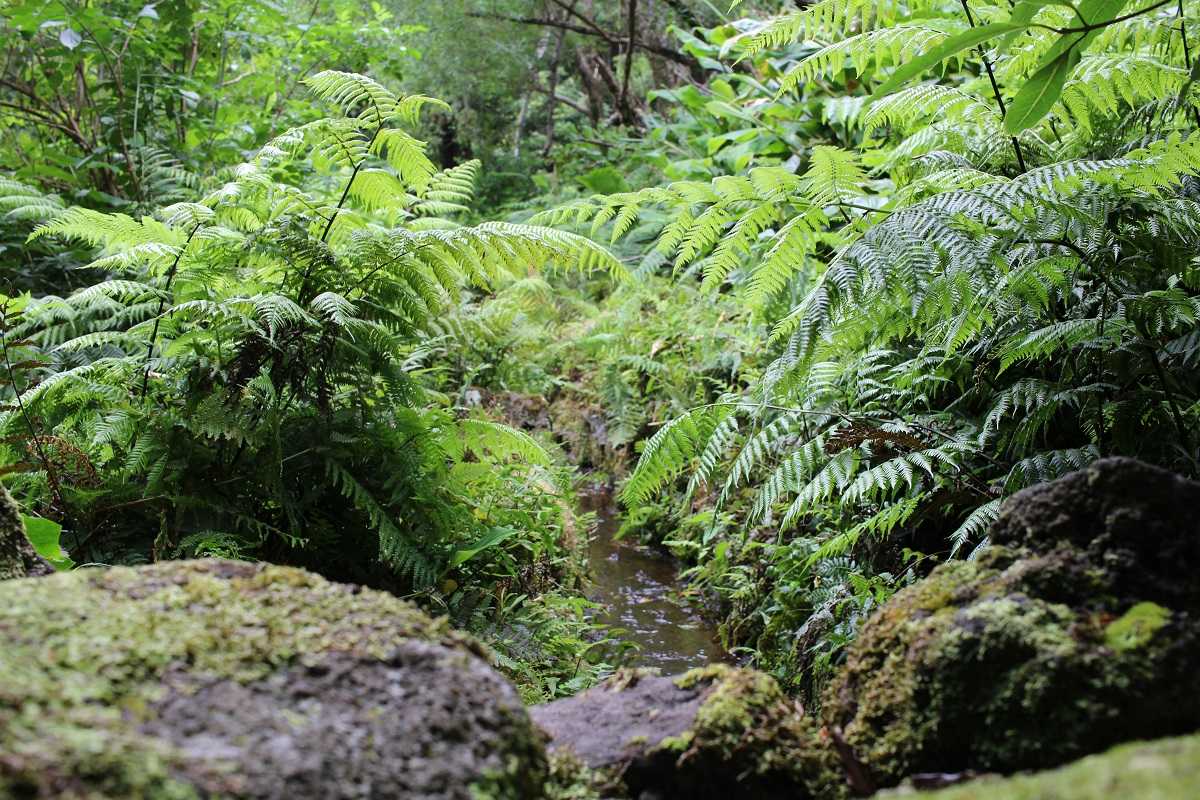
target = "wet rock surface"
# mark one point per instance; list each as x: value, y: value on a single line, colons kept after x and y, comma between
x: 612, y: 724
x: 1074, y: 632
x: 217, y: 678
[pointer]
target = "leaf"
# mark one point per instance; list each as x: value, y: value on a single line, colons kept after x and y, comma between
x: 69, y: 38
x: 1092, y: 12
x: 489, y: 540
x: 44, y: 536
x: 1024, y: 12
x: 1039, y: 93
x: 955, y: 44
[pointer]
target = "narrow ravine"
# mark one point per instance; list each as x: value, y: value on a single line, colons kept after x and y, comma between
x: 637, y: 589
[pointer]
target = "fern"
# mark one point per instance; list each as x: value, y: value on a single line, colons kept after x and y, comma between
x: 250, y: 354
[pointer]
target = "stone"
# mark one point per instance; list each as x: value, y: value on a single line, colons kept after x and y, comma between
x: 18, y: 559
x: 1168, y: 769
x: 1076, y: 630
x: 203, y: 678
x: 1140, y: 522
x: 714, y: 732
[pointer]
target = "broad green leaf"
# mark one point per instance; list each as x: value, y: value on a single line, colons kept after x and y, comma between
x: 44, y: 536
x: 955, y: 44
x: 1039, y: 93
x: 14, y: 305
x: 489, y: 540
x: 1094, y: 12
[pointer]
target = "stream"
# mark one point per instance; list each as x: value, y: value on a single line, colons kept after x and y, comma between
x: 637, y: 590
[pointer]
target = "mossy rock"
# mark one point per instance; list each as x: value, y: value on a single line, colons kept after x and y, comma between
x: 1135, y: 520
x: 18, y: 559
x: 714, y: 732
x: 215, y: 678
x: 1045, y: 649
x: 1168, y: 769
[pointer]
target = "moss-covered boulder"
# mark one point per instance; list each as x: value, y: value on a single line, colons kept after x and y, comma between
x: 214, y: 678
x: 1137, y: 522
x: 18, y: 559
x: 714, y: 732
x: 1069, y: 635
x: 1168, y: 769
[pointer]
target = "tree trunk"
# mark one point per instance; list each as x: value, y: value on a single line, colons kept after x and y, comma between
x: 552, y: 94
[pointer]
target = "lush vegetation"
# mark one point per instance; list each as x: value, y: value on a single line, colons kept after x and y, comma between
x: 817, y: 287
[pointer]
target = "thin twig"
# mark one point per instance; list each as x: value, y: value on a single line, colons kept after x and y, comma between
x: 987, y: 65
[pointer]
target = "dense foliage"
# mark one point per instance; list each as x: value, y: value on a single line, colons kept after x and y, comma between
x: 838, y: 278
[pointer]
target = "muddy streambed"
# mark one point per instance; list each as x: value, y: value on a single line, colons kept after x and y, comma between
x: 637, y: 589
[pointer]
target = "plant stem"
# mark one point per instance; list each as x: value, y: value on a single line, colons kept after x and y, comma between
x: 1098, y: 25
x: 51, y: 475
x: 1101, y: 434
x: 1171, y: 401
x: 1187, y: 55
x: 987, y: 65
x: 162, y: 303
x: 349, y: 183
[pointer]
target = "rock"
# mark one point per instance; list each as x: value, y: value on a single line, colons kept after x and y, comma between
x: 205, y: 678
x: 18, y: 559
x: 1069, y: 635
x: 1139, y: 521
x: 714, y: 732
x: 1168, y: 769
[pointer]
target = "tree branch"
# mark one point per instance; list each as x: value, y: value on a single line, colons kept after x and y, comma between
x: 664, y: 52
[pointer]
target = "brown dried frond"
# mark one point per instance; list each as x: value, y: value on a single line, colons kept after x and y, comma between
x: 856, y: 433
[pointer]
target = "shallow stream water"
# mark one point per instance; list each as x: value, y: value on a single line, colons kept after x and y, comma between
x: 637, y: 590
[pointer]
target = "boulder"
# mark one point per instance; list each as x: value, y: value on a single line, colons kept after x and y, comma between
x: 714, y: 732
x: 18, y: 559
x: 1139, y: 522
x: 1168, y: 769
x: 216, y: 678
x: 1077, y: 630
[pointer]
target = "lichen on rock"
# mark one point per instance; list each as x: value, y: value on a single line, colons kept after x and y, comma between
x: 218, y: 678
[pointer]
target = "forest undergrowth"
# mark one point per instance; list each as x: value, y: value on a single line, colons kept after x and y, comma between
x: 816, y: 288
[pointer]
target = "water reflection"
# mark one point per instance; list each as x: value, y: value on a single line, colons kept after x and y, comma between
x: 636, y: 589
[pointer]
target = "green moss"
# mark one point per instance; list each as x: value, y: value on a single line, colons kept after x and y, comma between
x: 571, y: 779
x: 739, y: 699
x: 748, y: 726
x: 1168, y: 769
x: 1136, y: 627
x: 1004, y: 664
